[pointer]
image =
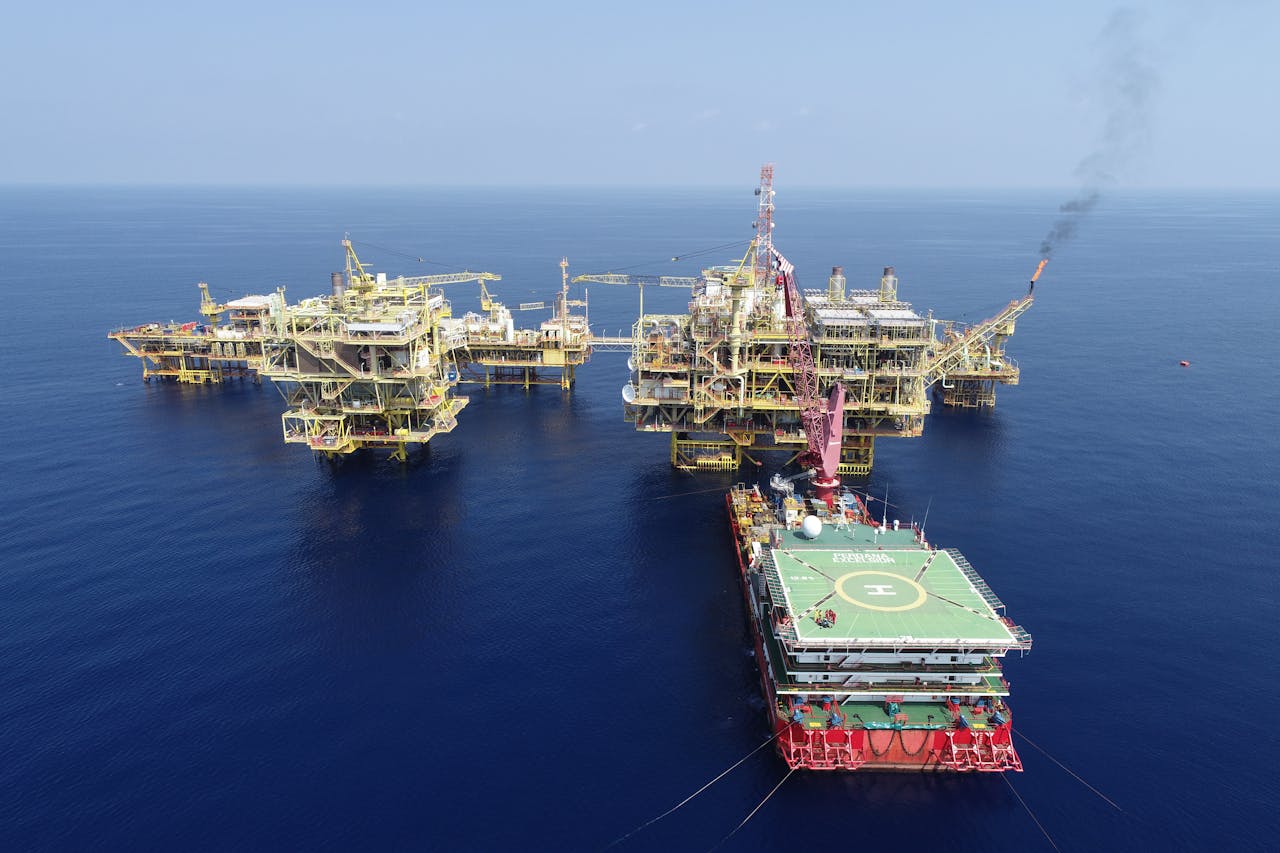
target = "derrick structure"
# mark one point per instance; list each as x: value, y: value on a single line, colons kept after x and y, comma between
x: 748, y: 368
x: 496, y: 352
x: 370, y: 366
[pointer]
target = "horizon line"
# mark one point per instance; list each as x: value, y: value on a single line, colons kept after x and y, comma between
x: 264, y: 185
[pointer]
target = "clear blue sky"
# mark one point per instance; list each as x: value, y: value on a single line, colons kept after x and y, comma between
x: 941, y: 94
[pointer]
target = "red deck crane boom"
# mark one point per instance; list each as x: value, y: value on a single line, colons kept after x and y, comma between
x: 823, y: 425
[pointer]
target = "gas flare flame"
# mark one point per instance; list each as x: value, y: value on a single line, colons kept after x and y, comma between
x: 1039, y: 270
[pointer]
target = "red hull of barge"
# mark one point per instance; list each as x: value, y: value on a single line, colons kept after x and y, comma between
x: 959, y: 750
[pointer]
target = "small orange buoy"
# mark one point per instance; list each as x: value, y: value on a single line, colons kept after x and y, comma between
x: 1185, y: 363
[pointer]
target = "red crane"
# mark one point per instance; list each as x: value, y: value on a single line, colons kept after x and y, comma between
x: 823, y: 425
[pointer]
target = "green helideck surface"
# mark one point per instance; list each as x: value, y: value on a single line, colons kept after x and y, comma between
x: 882, y: 589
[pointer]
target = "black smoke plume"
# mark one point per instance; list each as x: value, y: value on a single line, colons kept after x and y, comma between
x: 1125, y: 83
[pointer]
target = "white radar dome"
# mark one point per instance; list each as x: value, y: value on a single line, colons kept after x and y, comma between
x: 811, y: 526
x: 631, y: 362
x: 628, y: 393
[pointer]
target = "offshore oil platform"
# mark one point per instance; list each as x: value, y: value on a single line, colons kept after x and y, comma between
x: 376, y: 363
x: 754, y: 358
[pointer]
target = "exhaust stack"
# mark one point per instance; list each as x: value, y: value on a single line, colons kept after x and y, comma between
x: 835, y: 285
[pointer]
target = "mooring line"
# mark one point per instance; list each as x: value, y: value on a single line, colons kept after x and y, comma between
x: 693, y: 254
x: 723, y: 773
x: 753, y: 811
x: 1042, y: 751
x: 682, y: 494
x: 1047, y: 836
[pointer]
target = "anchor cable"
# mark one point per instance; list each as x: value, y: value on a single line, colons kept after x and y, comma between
x: 1104, y: 797
x: 682, y: 494
x: 1047, y: 836
x: 406, y: 255
x: 681, y: 257
x: 753, y: 811
x: 699, y: 791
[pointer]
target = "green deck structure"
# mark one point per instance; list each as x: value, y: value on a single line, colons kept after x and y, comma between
x: 882, y: 586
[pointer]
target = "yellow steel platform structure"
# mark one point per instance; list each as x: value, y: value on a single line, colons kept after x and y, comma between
x: 226, y: 347
x: 373, y: 365
x: 722, y: 379
x: 376, y: 363
x: 719, y: 379
x: 969, y: 360
x: 369, y: 366
x: 496, y: 352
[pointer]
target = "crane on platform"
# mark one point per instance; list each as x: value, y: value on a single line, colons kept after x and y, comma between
x: 444, y: 278
x: 209, y: 308
x: 639, y: 281
x: 563, y: 303
x: 493, y: 307
x: 361, y: 280
x: 486, y: 300
x: 823, y: 424
x: 357, y: 276
x: 490, y: 305
x: 786, y: 485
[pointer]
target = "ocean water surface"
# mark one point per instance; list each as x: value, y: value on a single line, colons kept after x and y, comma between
x: 530, y: 636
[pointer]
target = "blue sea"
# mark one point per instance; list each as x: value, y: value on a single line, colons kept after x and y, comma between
x: 530, y: 636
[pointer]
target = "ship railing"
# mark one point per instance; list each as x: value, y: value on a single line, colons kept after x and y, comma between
x: 1022, y: 636
x: 906, y: 669
x: 979, y: 585
x: 786, y: 632
x: 772, y: 579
